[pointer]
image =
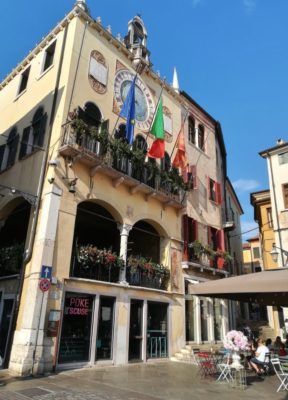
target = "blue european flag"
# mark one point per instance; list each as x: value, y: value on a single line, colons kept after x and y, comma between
x: 128, y: 112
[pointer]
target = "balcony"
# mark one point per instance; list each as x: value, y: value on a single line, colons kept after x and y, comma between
x: 123, y: 165
x: 105, y: 266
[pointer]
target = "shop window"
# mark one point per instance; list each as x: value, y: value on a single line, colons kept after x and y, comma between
x: 76, y: 328
x: 285, y: 194
x: 49, y: 56
x: 201, y: 137
x: 191, y: 130
x: 24, y: 80
x: 214, y: 190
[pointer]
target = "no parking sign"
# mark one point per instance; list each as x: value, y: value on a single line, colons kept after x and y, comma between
x: 44, y: 284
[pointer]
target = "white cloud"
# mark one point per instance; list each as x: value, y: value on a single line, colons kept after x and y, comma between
x: 245, y: 185
x: 249, y: 5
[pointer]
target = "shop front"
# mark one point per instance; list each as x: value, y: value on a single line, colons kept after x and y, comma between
x: 91, y: 333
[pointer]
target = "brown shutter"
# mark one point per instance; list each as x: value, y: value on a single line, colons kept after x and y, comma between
x: 220, y: 240
x: 185, y: 230
x: 218, y: 193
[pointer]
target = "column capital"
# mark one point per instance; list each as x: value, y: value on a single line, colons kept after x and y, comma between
x: 124, y: 229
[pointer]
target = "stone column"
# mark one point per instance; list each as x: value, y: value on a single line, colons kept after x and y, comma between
x: 124, y: 233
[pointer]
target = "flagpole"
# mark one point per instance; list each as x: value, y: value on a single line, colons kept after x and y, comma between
x: 117, y: 120
x: 162, y: 87
x: 182, y: 125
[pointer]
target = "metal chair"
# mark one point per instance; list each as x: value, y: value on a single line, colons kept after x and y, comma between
x: 282, y: 376
x: 225, y: 370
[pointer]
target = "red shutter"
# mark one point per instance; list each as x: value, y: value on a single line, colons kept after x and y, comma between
x: 209, y: 189
x: 209, y: 235
x: 218, y: 193
x: 194, y: 230
x: 220, y: 240
x: 185, y: 231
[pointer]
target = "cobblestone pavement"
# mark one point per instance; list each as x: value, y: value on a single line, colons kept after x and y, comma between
x: 155, y: 381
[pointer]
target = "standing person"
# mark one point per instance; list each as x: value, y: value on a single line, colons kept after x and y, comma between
x: 258, y: 360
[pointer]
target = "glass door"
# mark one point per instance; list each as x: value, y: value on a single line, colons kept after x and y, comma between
x: 189, y: 318
x: 104, y: 339
x: 204, y: 320
x: 5, y: 327
x: 157, y: 332
x: 217, y: 319
x: 136, y: 330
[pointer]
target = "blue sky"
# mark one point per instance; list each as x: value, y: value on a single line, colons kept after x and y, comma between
x: 231, y: 57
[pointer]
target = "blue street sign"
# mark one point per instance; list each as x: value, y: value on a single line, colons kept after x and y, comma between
x: 46, y: 272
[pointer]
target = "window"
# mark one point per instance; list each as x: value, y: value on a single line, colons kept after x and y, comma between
x: 120, y: 132
x: 167, y: 116
x: 256, y: 252
x: 24, y: 80
x: 8, y: 151
x: 216, y: 238
x: 191, y: 177
x: 49, y: 56
x: 140, y: 143
x: 283, y: 158
x: 214, y: 190
x: 269, y: 217
x: 191, y: 130
x: 201, y: 137
x: 285, y: 194
x: 98, y: 72
x: 190, y: 234
x: 166, y: 162
x: 33, y: 135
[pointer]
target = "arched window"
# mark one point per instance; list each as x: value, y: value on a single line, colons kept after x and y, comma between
x: 12, y: 145
x: 166, y: 162
x: 120, y: 132
x: 201, y: 137
x: 138, y: 32
x: 140, y: 143
x: 38, y: 127
x: 92, y: 114
x: 191, y: 130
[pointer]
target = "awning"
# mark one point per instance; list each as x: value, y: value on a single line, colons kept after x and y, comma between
x: 268, y: 287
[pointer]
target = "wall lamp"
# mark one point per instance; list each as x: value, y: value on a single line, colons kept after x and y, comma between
x: 275, y: 253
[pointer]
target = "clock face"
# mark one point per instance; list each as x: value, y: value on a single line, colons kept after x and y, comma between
x: 144, y: 105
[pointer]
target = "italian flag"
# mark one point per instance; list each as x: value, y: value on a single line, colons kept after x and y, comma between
x: 157, y: 149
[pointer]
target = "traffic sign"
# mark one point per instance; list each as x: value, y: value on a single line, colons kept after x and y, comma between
x: 44, y: 284
x: 46, y: 272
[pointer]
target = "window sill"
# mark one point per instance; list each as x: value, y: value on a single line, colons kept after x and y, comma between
x: 198, y: 148
x: 45, y: 72
x: 20, y: 94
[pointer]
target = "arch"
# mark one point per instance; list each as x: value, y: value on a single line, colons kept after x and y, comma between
x: 92, y: 114
x: 144, y: 241
x: 159, y: 226
x: 120, y: 132
x: 191, y: 130
x: 105, y: 205
x: 140, y: 143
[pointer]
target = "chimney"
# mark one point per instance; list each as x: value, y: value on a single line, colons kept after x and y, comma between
x: 280, y: 141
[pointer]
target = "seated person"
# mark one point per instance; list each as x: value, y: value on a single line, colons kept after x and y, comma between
x: 258, y: 361
x: 286, y: 341
x: 278, y: 343
x: 269, y: 344
x: 282, y: 351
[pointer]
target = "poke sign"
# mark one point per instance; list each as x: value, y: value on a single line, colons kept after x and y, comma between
x: 44, y: 284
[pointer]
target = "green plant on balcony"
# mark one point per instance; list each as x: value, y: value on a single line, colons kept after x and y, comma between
x: 11, y: 259
x: 119, y: 148
x: 89, y: 256
x: 147, y: 266
x: 199, y: 250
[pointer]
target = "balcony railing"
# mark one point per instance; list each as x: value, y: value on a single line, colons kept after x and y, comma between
x: 124, y: 165
x: 89, y: 262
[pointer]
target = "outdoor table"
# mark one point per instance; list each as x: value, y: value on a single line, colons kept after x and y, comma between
x: 207, y: 363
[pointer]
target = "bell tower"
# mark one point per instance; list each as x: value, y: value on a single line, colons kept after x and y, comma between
x: 136, y: 42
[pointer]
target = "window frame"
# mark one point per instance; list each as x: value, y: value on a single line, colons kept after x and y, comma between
x: 49, y: 55
x: 24, y: 80
x: 285, y: 195
x: 191, y: 130
x: 201, y: 137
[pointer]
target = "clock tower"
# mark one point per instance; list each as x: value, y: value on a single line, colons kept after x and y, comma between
x: 136, y: 42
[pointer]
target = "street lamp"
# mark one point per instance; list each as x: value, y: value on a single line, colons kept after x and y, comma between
x: 275, y: 253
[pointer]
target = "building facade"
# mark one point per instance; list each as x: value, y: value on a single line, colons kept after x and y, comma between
x: 106, y: 232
